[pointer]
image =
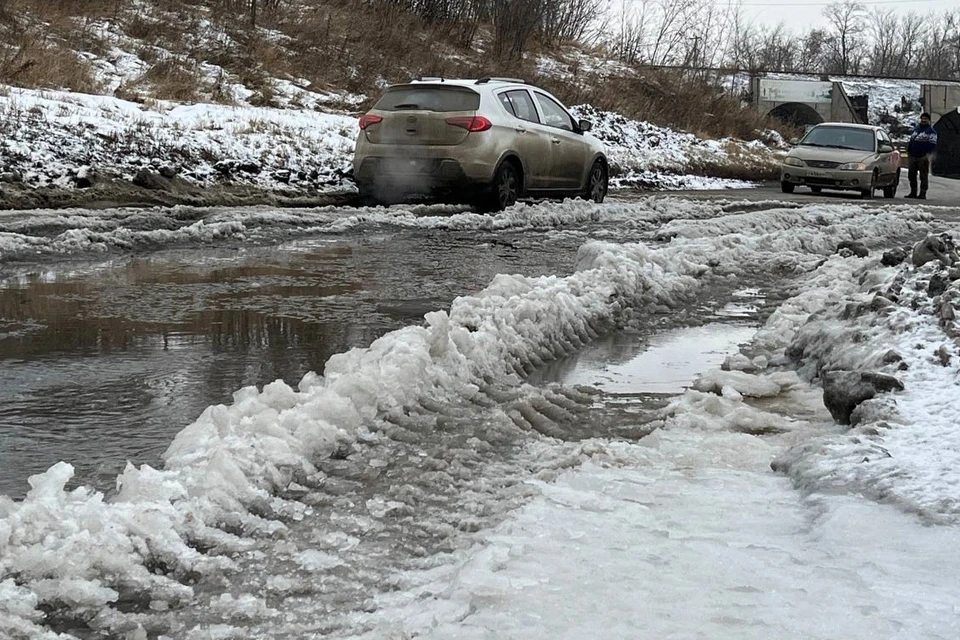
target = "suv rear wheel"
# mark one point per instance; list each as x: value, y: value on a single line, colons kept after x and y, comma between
x: 504, y: 190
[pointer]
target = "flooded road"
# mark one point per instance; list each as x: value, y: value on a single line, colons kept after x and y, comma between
x: 331, y: 400
x: 104, y: 362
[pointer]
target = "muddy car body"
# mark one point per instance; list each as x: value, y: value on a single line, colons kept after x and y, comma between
x: 487, y: 141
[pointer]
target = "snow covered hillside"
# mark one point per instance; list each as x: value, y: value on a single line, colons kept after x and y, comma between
x: 71, y: 141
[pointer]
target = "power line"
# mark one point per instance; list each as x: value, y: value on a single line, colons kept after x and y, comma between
x: 814, y: 4
x: 805, y: 4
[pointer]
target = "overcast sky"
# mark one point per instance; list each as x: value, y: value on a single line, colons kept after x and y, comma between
x: 799, y: 15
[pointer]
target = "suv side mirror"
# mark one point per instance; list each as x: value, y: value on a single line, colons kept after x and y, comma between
x: 794, y: 141
x: 885, y: 147
x: 585, y: 125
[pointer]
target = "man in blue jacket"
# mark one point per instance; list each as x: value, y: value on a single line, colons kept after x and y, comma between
x: 923, y: 143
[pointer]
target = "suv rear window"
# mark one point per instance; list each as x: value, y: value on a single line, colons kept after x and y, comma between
x: 431, y: 98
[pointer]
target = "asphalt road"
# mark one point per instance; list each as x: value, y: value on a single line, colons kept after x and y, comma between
x: 944, y: 192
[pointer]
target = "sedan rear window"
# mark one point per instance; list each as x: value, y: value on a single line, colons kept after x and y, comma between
x: 840, y: 138
x: 431, y: 98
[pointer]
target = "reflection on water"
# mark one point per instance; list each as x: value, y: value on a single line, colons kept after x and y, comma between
x: 105, y: 363
x: 625, y: 363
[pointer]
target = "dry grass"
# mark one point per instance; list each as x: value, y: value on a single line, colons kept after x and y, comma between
x: 170, y: 79
x: 34, y: 63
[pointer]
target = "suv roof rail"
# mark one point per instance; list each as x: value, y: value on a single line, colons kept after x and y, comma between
x: 428, y: 79
x: 496, y: 79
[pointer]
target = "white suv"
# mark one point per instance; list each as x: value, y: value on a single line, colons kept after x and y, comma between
x: 487, y: 141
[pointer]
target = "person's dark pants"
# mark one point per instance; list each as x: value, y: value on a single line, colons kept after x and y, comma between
x: 922, y: 166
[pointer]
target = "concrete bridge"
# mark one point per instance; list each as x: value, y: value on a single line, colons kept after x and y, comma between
x: 804, y: 103
x: 943, y: 103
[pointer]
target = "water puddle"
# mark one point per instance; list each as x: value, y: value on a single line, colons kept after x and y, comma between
x: 746, y: 303
x: 626, y: 364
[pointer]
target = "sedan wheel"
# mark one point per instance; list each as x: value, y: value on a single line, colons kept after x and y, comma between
x: 867, y: 194
x: 891, y: 190
x: 598, y: 182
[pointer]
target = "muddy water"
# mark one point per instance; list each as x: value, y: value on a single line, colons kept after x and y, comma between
x: 104, y: 362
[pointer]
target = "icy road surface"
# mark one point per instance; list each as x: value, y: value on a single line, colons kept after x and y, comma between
x: 525, y: 461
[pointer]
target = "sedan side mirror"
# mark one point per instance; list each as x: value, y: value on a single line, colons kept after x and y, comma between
x: 794, y: 141
x: 885, y: 147
x: 585, y: 125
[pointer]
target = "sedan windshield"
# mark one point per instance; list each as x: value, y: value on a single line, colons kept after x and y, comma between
x: 840, y: 138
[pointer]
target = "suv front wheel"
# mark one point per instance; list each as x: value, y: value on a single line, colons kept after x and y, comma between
x: 597, y: 183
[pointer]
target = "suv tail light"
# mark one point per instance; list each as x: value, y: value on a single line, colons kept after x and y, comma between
x: 368, y: 119
x: 475, y: 123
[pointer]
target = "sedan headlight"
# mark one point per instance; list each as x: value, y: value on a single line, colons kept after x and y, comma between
x: 853, y: 166
x: 793, y: 162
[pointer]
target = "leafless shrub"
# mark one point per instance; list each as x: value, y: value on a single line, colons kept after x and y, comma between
x: 173, y: 79
x: 31, y: 61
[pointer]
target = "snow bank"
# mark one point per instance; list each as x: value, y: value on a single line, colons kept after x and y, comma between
x: 646, y: 155
x: 53, y: 138
x: 905, y: 448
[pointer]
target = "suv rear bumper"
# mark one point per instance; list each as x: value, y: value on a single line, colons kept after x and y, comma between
x: 414, y: 176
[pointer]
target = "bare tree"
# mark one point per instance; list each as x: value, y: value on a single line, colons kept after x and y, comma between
x: 514, y: 23
x: 907, y: 44
x: 629, y: 40
x: 882, y: 27
x: 847, y: 24
x: 566, y: 20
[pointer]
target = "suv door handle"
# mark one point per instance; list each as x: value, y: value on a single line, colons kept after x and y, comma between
x: 555, y: 140
x: 521, y: 130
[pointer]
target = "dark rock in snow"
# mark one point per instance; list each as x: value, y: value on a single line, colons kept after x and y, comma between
x: 944, y: 354
x: 168, y: 172
x: 249, y: 167
x: 843, y: 391
x: 947, y: 312
x: 151, y: 180
x: 880, y: 302
x: 881, y: 381
x: 856, y: 248
x: 892, y: 356
x: 938, y: 284
x: 13, y: 177
x: 935, y: 248
x: 893, y: 257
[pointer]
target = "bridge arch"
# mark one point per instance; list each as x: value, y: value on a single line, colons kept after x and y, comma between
x: 947, y: 160
x: 796, y: 113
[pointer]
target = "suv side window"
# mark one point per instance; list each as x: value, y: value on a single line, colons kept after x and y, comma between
x: 519, y: 103
x: 554, y: 115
